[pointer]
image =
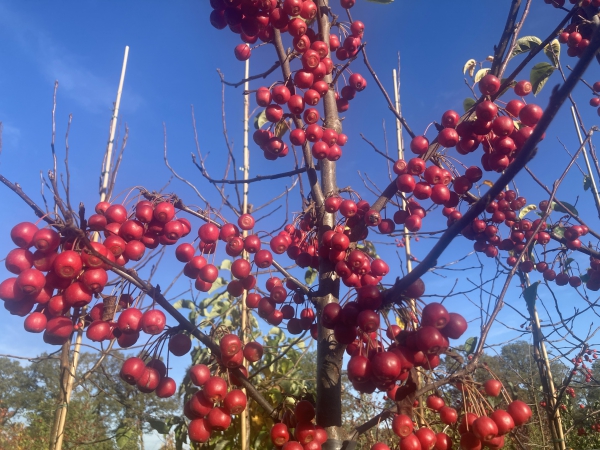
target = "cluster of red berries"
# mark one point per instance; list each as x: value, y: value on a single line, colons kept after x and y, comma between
x: 595, y: 100
x: 374, y: 365
x: 210, y: 408
x: 257, y: 19
x: 580, y: 365
x: 475, y: 431
x: 306, y: 434
x: 500, y: 138
x: 61, y: 273
x: 577, y: 39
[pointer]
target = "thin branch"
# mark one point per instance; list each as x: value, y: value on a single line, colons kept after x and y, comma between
x: 257, y: 178
x: 265, y: 74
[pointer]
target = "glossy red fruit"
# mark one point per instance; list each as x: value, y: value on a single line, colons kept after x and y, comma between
x: 519, y: 411
x: 469, y: 441
x: 166, y: 388
x: 35, y: 322
x: 503, y: 420
x: 426, y: 437
x: 132, y: 370
x: 484, y: 428
x: 443, y: 442
x: 153, y: 322
x: 215, y: 389
x: 199, y: 430
x: 46, y: 240
x: 402, y: 425
x: 253, y: 351
x: 455, y: 327
x: 149, y: 380
x: 489, y: 85
x: 279, y: 434
x: 492, y: 387
x: 304, y: 411
x: 434, y: 402
x: 242, y: 52
x: 180, y: 344
x: 435, y: 314
x: 448, y: 415
x: 530, y: 114
x: 199, y: 374
x: 219, y: 419
x: 22, y: 234
x: 410, y: 442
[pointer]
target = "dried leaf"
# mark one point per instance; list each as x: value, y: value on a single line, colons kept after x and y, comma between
x: 470, y: 67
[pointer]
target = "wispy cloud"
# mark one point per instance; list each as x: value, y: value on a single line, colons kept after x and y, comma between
x: 11, y: 136
x: 92, y: 91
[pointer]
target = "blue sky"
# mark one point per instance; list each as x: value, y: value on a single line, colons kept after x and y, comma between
x: 174, y: 54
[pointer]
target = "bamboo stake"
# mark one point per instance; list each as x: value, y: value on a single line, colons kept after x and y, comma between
x: 401, y: 156
x: 106, y: 168
x: 400, y: 141
x: 587, y: 161
x: 554, y: 420
x: 68, y: 390
x: 69, y: 369
x: 246, y: 169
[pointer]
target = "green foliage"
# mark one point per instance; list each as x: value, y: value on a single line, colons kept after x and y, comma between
x: 540, y: 73
x: 525, y: 44
x: 104, y: 413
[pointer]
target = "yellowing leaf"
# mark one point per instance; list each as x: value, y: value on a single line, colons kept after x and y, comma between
x: 488, y: 183
x: 480, y: 74
x: 399, y: 323
x: 552, y: 51
x: 469, y: 66
x: 526, y: 210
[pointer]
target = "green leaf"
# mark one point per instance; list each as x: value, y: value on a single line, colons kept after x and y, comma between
x: 124, y: 434
x: 530, y: 294
x: 159, y: 426
x: 310, y: 276
x: 281, y: 128
x: 559, y: 231
x: 219, y: 283
x: 569, y: 209
x: 470, y: 345
x: 225, y: 264
x: 525, y: 44
x: 480, y: 74
x: 468, y: 104
x: 526, y: 210
x: 539, y: 75
x: 260, y: 119
x: 221, y: 444
x: 587, y: 182
x: 184, y: 304
x: 552, y: 51
x: 584, y: 277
